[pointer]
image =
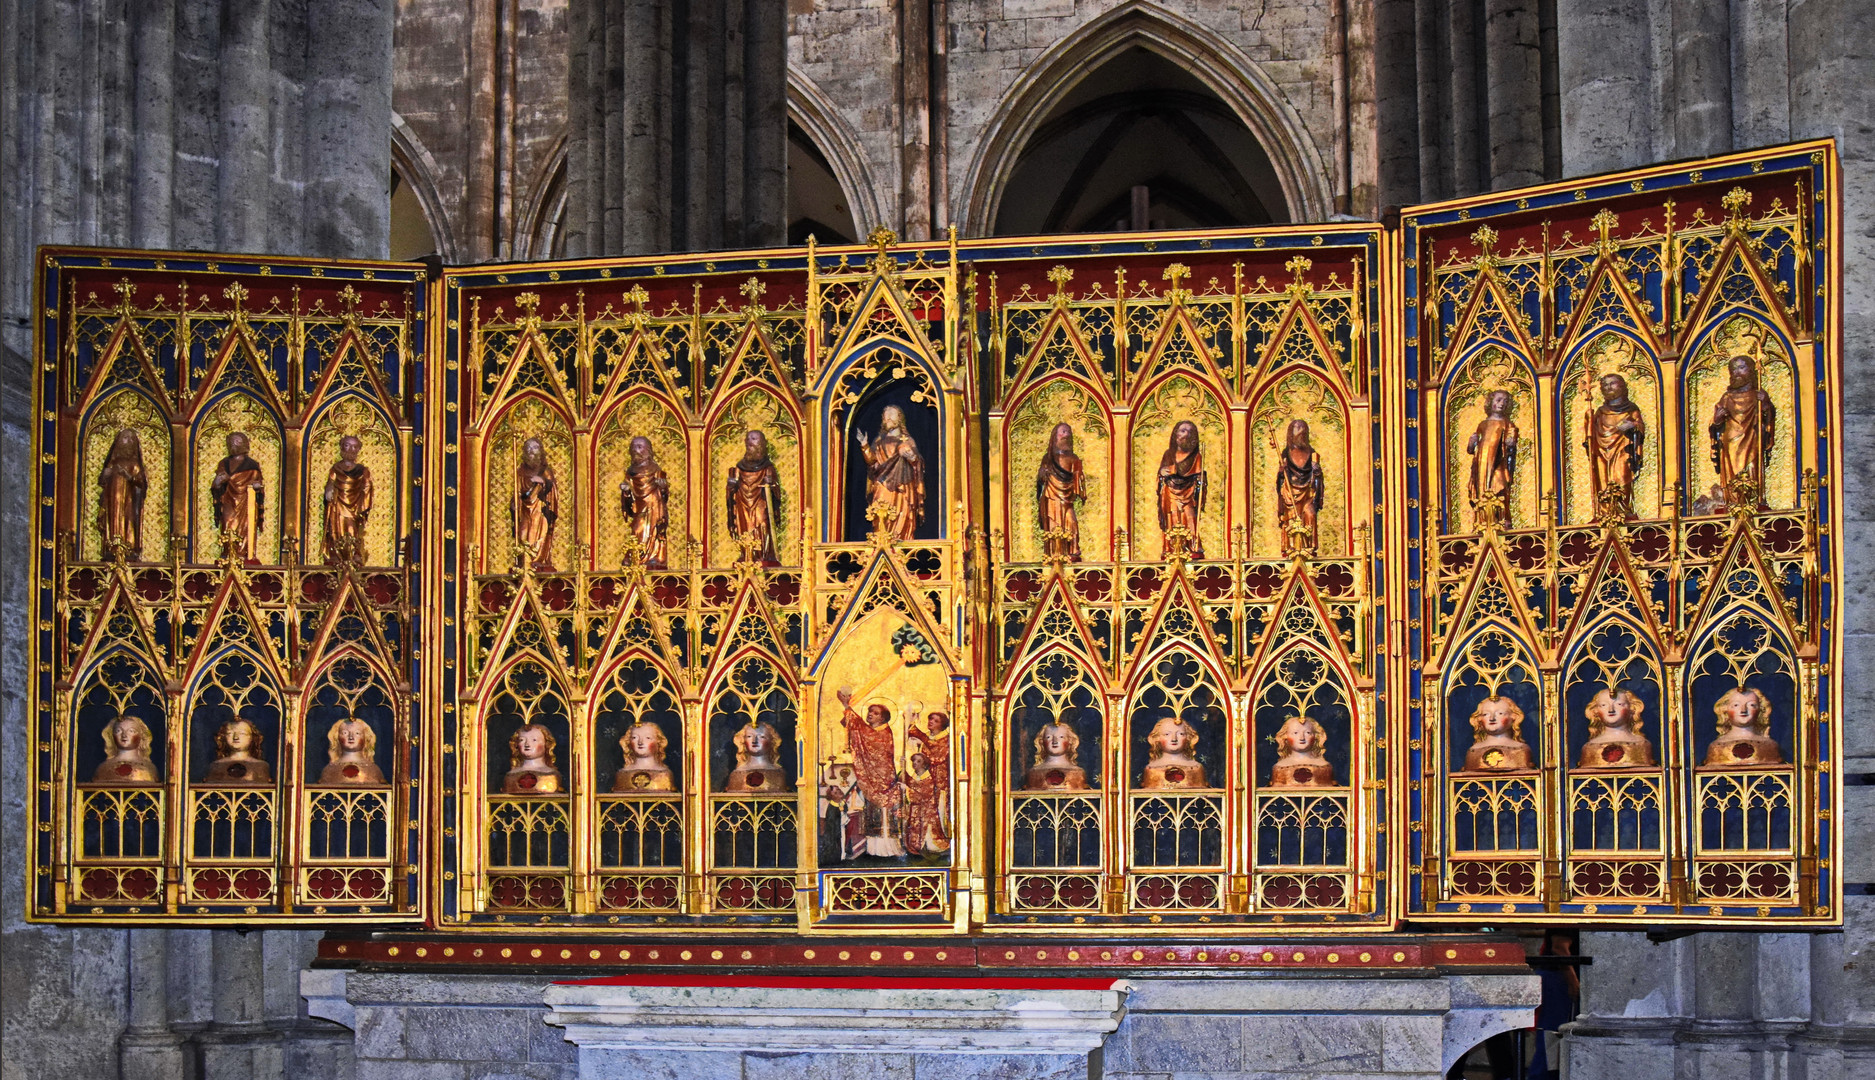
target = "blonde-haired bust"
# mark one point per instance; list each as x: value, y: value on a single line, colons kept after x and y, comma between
x: 1615, y: 739
x: 237, y: 756
x: 1743, y: 716
x: 350, y: 747
x: 644, y: 744
x: 1172, y: 743
x: 127, y: 753
x: 1057, y: 760
x: 1497, y: 738
x: 532, y: 770
x: 1300, y: 763
x: 756, y: 769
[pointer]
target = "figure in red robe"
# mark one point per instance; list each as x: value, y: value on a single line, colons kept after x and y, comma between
x: 875, y: 763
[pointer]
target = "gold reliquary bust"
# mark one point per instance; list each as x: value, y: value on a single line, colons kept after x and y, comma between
x: 127, y: 754
x: 644, y: 744
x: 1497, y: 738
x: 351, y: 747
x: 1743, y: 716
x: 1299, y: 762
x: 1057, y: 756
x: 1171, y: 764
x: 531, y: 770
x: 1615, y: 739
x: 237, y: 756
x: 756, y: 769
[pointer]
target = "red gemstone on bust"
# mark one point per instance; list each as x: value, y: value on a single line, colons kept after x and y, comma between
x: 1174, y: 775
x: 1303, y: 774
x: 1741, y: 750
x: 124, y: 770
x: 237, y: 771
x: 526, y: 782
x: 1056, y: 778
x: 350, y: 771
x: 1612, y: 754
x: 754, y: 779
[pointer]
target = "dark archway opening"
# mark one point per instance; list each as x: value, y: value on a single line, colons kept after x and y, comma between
x: 1140, y: 143
x: 816, y: 205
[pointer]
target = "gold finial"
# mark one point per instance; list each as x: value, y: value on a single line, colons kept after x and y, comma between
x: 1604, y: 222
x: 349, y: 298
x: 1060, y: 275
x: 881, y: 514
x: 753, y: 289
x: 126, y: 290
x: 1486, y: 239
x: 236, y: 292
x: 1176, y: 273
x: 637, y: 297
x: 1735, y: 202
x: 1298, y: 267
x: 528, y: 302
x: 1178, y: 543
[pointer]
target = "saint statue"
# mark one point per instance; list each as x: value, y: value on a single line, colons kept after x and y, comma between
x: 121, y: 488
x: 237, y: 756
x: 1615, y: 740
x: 348, y: 504
x: 1743, y: 716
x: 754, y: 493
x: 1497, y: 738
x: 1493, y: 450
x: 644, y: 497
x: 536, y: 505
x: 1612, y: 435
x: 531, y: 768
x: 240, y: 497
x: 756, y: 769
x: 894, y: 474
x: 127, y: 754
x: 1299, y: 488
x: 1171, y: 745
x: 933, y: 741
x: 351, y: 747
x: 1744, y: 426
x: 1182, y: 487
x: 924, y: 810
x: 1059, y: 486
x: 644, y: 744
x: 1057, y: 761
x: 870, y: 742
x: 1299, y: 762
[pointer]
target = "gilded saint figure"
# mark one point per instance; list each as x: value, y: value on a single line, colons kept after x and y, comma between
x: 348, y: 504
x: 1613, y: 435
x: 237, y: 756
x: 1493, y: 450
x: 753, y: 489
x: 924, y: 808
x: 1743, y: 718
x: 1300, y: 485
x: 1059, y: 489
x: 1744, y: 426
x: 1182, y: 489
x: 894, y: 474
x: 1497, y: 738
x: 1299, y: 758
x: 240, y: 497
x: 934, y: 742
x: 351, y: 752
x: 644, y: 744
x: 756, y: 745
x: 1057, y: 760
x: 1172, y: 746
x: 644, y: 497
x: 121, y: 488
x: 536, y: 505
x: 127, y: 754
x: 531, y: 768
x: 1615, y: 739
x: 870, y: 742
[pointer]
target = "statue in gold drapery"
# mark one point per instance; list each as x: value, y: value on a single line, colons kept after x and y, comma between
x: 240, y: 496
x: 1612, y: 434
x: 753, y: 489
x: 644, y: 498
x: 1299, y: 489
x: 348, y: 497
x: 121, y: 488
x: 1744, y: 425
x: 1493, y: 450
x: 1182, y: 487
x: 1059, y: 486
x: 536, y: 505
x: 894, y: 474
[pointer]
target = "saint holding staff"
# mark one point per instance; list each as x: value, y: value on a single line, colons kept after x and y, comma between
x: 240, y: 497
x: 1059, y: 487
x: 121, y: 489
x: 347, y: 503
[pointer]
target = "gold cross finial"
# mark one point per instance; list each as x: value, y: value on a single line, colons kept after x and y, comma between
x: 126, y: 290
x: 349, y: 298
x: 236, y: 292
x: 1604, y: 222
x: 881, y: 238
x: 1298, y: 267
x: 1060, y: 275
x: 1486, y: 239
x: 881, y: 514
x: 1176, y: 273
x: 528, y: 302
x: 637, y: 297
x: 753, y: 288
x: 1735, y: 201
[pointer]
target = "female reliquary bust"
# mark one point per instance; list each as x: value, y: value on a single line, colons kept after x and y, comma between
x: 644, y: 744
x: 127, y: 754
x: 531, y: 770
x: 1299, y: 761
x: 1743, y: 716
x: 350, y: 747
x: 1057, y: 753
x: 1615, y: 740
x: 1172, y: 743
x: 237, y: 756
x: 756, y: 770
x: 1497, y: 738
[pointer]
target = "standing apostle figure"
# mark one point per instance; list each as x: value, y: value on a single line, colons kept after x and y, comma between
x: 894, y: 474
x: 1182, y: 488
x: 1613, y: 435
x: 536, y: 505
x: 1493, y: 449
x: 347, y: 504
x: 1299, y: 489
x: 753, y: 489
x: 121, y: 488
x: 644, y: 498
x: 1744, y: 425
x: 240, y: 497
x: 1059, y: 486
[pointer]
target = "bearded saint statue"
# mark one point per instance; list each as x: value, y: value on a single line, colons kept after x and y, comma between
x: 894, y: 474
x: 1182, y: 486
x: 1059, y: 486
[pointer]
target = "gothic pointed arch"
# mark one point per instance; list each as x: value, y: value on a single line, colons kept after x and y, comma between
x: 418, y: 168
x: 820, y: 119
